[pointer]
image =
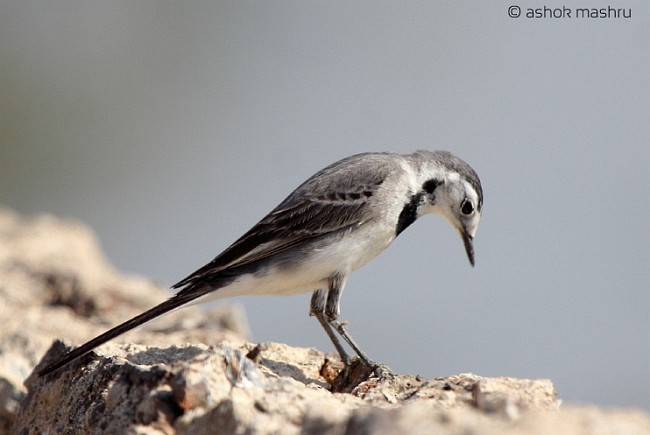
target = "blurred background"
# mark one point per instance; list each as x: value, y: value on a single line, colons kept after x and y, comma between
x: 172, y: 127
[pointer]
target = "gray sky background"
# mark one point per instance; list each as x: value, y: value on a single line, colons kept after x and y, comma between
x: 172, y: 127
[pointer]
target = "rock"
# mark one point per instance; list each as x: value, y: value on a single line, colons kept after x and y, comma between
x: 56, y: 283
x: 198, y: 389
x: 193, y: 388
x: 194, y: 372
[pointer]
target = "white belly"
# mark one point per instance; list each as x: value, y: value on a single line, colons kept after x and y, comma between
x: 310, y: 271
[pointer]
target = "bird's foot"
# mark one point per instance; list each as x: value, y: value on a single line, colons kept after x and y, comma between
x: 355, y: 372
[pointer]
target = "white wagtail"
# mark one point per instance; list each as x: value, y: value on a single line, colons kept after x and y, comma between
x: 332, y: 224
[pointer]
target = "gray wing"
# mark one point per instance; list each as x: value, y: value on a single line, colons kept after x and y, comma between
x: 334, y: 199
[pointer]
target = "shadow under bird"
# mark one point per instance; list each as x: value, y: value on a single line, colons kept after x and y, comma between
x: 332, y: 224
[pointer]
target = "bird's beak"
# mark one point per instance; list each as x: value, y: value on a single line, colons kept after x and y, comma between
x: 469, y: 247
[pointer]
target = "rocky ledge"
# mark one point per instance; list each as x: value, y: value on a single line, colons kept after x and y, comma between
x: 195, y: 372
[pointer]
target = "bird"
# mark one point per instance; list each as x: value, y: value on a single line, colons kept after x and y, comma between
x: 329, y: 226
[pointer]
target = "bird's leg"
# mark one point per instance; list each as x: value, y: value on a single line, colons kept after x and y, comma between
x: 332, y: 310
x: 335, y: 341
x: 340, y: 328
x: 317, y: 308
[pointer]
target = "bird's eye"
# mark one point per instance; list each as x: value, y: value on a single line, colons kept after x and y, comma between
x: 467, y: 208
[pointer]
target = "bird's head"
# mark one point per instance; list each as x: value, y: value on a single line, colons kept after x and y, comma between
x: 450, y: 188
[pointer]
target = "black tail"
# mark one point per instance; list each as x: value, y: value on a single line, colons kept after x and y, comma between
x: 176, y: 301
